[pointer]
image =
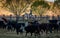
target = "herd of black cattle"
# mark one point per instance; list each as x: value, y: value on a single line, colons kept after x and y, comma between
x: 32, y: 27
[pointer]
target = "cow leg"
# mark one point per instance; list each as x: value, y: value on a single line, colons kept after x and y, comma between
x: 46, y: 31
x: 11, y: 29
x: 56, y: 30
x: 17, y: 31
x: 38, y: 32
x: 26, y: 34
x: 31, y: 34
x: 35, y: 34
x: 50, y: 30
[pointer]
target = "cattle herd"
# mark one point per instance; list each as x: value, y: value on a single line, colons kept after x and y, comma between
x: 32, y: 27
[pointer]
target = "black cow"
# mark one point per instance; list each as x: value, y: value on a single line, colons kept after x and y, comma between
x: 13, y: 24
x: 19, y: 27
x: 48, y: 27
x: 2, y: 25
x: 33, y: 27
x: 54, y: 24
x: 9, y: 26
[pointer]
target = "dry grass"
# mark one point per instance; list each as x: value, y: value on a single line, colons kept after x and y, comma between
x: 6, y: 34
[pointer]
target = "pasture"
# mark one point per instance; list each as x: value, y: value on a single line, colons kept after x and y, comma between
x: 8, y: 34
x: 32, y: 27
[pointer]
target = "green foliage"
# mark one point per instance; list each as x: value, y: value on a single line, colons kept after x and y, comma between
x: 17, y: 1
x: 8, y: 1
x: 43, y: 5
x: 36, y: 3
x: 40, y: 3
x: 28, y: 1
x: 57, y: 3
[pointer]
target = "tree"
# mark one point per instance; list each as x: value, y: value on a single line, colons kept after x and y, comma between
x: 57, y: 3
x: 40, y: 6
x: 16, y: 6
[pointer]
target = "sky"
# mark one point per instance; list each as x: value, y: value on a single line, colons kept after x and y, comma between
x: 50, y: 0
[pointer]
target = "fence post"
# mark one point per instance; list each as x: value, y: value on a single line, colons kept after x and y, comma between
x: 10, y: 16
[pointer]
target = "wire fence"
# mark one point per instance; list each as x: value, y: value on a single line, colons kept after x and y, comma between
x: 32, y: 18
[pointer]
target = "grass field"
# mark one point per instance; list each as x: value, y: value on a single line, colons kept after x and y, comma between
x: 8, y: 34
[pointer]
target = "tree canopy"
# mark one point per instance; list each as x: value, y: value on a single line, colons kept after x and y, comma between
x: 57, y: 3
x: 16, y: 6
x: 40, y: 6
x: 41, y: 3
